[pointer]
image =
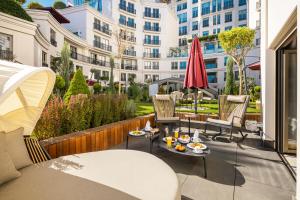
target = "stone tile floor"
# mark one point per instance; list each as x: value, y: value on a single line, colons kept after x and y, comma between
x: 240, y: 171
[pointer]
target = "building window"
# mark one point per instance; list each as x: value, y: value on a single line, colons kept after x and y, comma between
x: 174, y: 65
x: 155, y: 65
x: 212, y: 77
x: 228, y: 17
x: 44, y: 59
x: 97, y: 74
x: 214, y: 6
x: 257, y: 41
x: 155, y: 12
x: 105, y: 74
x: 236, y: 75
x: 182, y: 30
x: 228, y: 28
x: 131, y: 22
x: 123, y: 77
x: 53, y: 37
x: 195, y: 1
x: 205, y: 8
x: 242, y: 2
x: 225, y: 60
x: 219, y: 5
x: 216, y: 31
x: 147, y: 77
x: 6, y: 44
x: 122, y: 20
x: 228, y: 4
x: 155, y: 77
x: 242, y: 25
x: 195, y: 26
x: 147, y: 65
x: 183, y: 65
x: 205, y: 22
x: 205, y: 33
x: 182, y: 18
x: 147, y: 12
x: 242, y: 15
x: 195, y: 12
x: 181, y: 6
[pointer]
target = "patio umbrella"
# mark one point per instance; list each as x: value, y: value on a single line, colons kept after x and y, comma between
x: 24, y: 91
x: 196, y: 76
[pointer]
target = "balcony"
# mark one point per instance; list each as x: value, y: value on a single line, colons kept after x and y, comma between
x: 103, y: 46
x: 89, y: 60
x: 129, y: 24
x: 151, y: 55
x: 152, y: 28
x: 128, y: 66
x: 102, y: 29
x: 6, y: 55
x: 53, y: 42
x: 128, y: 38
x: 151, y: 42
x: 152, y: 15
x: 130, y: 53
x: 127, y: 9
x: 178, y: 55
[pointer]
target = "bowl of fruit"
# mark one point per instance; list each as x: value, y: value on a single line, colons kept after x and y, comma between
x: 180, y: 147
x: 184, y: 139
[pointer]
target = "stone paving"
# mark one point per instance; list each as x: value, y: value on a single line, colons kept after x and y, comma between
x: 241, y: 171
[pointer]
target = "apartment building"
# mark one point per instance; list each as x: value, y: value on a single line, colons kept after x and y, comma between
x: 210, y: 17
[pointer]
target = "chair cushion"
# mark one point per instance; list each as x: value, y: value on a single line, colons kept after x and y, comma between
x: 163, y: 97
x: 218, y: 121
x: 236, y: 98
x: 16, y: 148
x: 161, y: 119
x: 7, y: 167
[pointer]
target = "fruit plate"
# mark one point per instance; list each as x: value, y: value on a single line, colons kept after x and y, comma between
x: 184, y: 140
x: 137, y: 133
x: 173, y: 139
x: 193, y: 145
x: 180, y: 150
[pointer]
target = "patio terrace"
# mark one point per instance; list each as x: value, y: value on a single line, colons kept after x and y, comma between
x: 235, y: 170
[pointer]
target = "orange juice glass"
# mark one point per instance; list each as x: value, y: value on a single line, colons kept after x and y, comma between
x: 169, y: 142
x: 176, y: 135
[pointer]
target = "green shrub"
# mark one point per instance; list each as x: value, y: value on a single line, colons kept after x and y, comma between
x: 13, y: 8
x: 34, y: 5
x: 97, y: 88
x: 134, y: 92
x: 60, y: 82
x: 77, y: 86
x: 229, y: 77
x: 145, y: 93
x: 130, y: 109
x: 59, y: 5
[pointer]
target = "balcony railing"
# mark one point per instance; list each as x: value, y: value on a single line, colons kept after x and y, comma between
x: 128, y: 38
x: 152, y: 15
x: 128, y: 9
x: 101, y: 45
x: 53, y: 42
x: 152, y: 28
x: 6, y: 55
x: 128, y: 67
x: 152, y: 42
x: 103, y: 29
x: 178, y: 55
x: 129, y: 24
x: 151, y: 55
x: 130, y: 53
x: 89, y: 60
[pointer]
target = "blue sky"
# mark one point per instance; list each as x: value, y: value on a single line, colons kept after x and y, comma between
x: 45, y: 3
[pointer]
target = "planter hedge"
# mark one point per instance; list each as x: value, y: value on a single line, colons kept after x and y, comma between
x: 11, y: 7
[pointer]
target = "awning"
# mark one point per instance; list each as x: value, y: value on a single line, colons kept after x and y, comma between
x: 24, y: 91
x: 254, y: 66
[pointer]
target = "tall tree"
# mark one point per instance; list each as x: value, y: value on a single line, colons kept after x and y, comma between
x: 65, y: 68
x: 229, y: 86
x: 34, y: 5
x: 111, y: 79
x: 59, y: 5
x: 237, y: 43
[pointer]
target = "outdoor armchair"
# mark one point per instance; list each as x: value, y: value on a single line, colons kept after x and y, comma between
x: 232, y: 110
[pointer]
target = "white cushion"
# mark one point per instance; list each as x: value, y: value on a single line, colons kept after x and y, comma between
x: 16, y: 148
x: 218, y: 121
x: 163, y: 97
x: 7, y: 168
x: 236, y: 98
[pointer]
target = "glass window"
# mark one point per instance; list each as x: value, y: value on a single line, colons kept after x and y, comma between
x: 155, y: 77
x: 219, y: 5
x: 156, y: 12
x: 147, y: 65
x: 155, y: 65
x: 195, y: 1
x: 205, y: 33
x: 228, y: 28
x: 123, y: 76
x: 225, y: 60
x: 212, y: 77
x: 174, y: 65
x: 195, y: 25
x: 122, y: 20
x: 205, y: 8
x: 205, y: 22
x: 214, y: 6
x: 182, y: 30
x: 242, y: 2
x: 242, y: 15
x: 181, y: 6
x: 228, y: 17
x: 183, y: 65
x: 182, y: 18
x: 195, y: 12
x: 228, y: 4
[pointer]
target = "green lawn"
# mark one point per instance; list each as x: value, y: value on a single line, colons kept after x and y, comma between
x: 147, y: 108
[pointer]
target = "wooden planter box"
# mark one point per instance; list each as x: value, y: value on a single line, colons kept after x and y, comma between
x: 104, y: 137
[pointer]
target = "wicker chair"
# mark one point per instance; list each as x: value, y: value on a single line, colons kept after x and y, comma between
x: 232, y: 110
x: 164, y: 108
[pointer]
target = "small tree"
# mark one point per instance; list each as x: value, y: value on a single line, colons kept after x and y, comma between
x: 60, y: 84
x: 34, y: 5
x: 77, y: 86
x: 237, y: 42
x: 20, y: 1
x: 59, y: 5
x: 65, y: 69
x: 229, y: 86
x: 111, y: 79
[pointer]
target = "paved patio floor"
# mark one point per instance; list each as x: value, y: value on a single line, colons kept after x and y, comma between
x: 241, y: 171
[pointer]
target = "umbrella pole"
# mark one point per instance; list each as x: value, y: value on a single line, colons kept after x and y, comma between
x: 195, y: 96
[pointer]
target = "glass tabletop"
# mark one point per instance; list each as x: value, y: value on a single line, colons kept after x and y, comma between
x: 187, y: 152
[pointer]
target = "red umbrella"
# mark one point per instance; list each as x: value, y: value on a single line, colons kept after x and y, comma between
x: 196, y: 76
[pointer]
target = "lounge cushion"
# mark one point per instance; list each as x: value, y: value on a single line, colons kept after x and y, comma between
x: 82, y: 176
x: 7, y: 168
x: 161, y: 119
x: 218, y: 121
x: 15, y: 146
x: 163, y: 97
x: 236, y: 98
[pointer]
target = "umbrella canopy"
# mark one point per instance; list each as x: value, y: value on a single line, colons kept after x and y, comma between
x: 196, y: 76
x: 24, y: 91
